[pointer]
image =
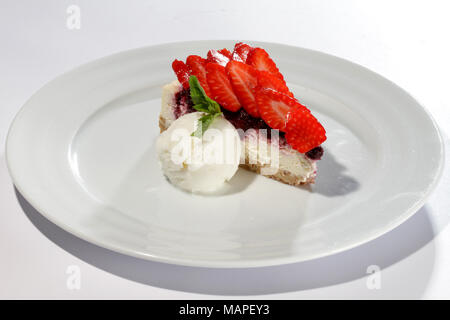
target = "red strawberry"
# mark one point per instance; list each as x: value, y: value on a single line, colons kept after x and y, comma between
x: 244, y: 82
x: 236, y: 57
x: 267, y: 80
x: 182, y: 72
x: 241, y: 51
x: 225, y: 52
x: 197, y: 65
x: 260, y: 60
x: 217, y: 57
x: 274, y: 107
x: 220, y: 87
x: 303, y: 131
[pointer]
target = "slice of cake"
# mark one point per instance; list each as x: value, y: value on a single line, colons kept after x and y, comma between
x: 253, y: 96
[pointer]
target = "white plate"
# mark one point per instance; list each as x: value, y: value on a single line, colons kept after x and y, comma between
x: 81, y: 151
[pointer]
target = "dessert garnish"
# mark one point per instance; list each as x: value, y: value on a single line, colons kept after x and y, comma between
x: 245, y: 87
x: 204, y: 104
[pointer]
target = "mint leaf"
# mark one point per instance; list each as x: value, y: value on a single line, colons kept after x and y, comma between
x: 204, y: 122
x: 198, y: 95
x: 214, y: 107
x: 201, y: 108
x: 205, y: 104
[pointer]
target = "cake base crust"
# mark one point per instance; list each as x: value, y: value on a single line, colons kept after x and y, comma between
x: 282, y: 175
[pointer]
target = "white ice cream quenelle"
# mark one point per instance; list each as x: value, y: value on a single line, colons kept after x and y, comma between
x: 199, y: 165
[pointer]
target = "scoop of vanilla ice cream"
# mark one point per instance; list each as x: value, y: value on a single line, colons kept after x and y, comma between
x: 199, y: 165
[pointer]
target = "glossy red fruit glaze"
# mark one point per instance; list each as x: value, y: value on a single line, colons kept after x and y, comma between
x: 260, y: 60
x: 225, y: 52
x: 303, y: 131
x: 267, y: 80
x: 274, y: 107
x: 244, y: 81
x: 239, y: 82
x: 215, y: 56
x: 197, y: 66
x: 241, y: 51
x: 220, y: 87
x: 182, y: 72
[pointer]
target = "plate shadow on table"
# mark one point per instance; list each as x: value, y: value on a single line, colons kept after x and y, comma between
x: 349, y: 265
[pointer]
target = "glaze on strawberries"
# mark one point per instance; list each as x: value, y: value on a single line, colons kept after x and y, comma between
x: 252, y: 94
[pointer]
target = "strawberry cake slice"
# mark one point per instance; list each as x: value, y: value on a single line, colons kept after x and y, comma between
x: 254, y: 97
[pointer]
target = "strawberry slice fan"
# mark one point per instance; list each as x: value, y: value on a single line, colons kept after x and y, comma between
x: 248, y: 78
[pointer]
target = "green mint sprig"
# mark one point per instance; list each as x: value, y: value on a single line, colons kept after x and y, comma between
x: 205, y: 104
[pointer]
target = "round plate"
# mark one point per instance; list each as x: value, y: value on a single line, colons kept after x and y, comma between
x: 82, y: 152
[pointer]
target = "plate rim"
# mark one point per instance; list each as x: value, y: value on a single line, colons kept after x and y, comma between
x: 266, y: 262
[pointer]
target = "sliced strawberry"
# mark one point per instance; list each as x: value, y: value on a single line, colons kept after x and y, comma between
x: 220, y: 87
x: 182, y: 72
x: 244, y: 81
x: 236, y: 57
x: 274, y: 107
x: 303, y: 131
x: 267, y: 80
x: 225, y: 52
x: 217, y: 57
x: 241, y: 51
x: 260, y: 60
x: 197, y: 65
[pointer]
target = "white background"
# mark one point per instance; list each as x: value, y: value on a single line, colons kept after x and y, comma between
x: 405, y: 41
